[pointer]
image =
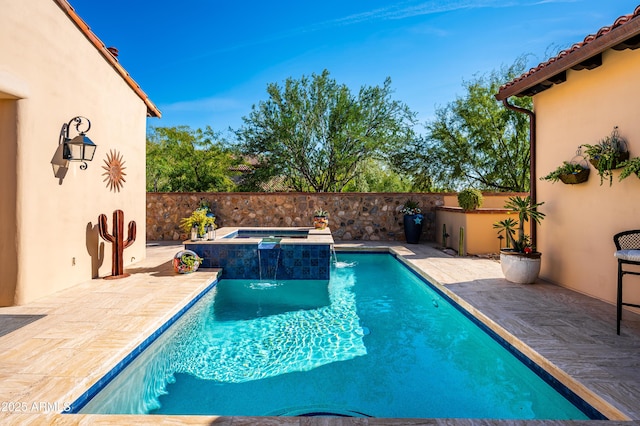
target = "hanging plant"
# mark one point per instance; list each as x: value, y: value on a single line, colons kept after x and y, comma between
x: 630, y: 167
x: 569, y: 173
x: 607, y: 155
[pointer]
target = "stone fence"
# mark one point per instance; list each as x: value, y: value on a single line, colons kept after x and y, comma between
x: 352, y: 216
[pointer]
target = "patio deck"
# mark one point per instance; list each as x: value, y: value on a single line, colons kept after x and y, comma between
x: 53, y: 350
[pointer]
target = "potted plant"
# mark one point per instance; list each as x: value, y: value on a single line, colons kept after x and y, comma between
x: 186, y: 261
x: 198, y: 222
x: 629, y: 167
x: 412, y: 221
x: 470, y: 199
x: 320, y: 219
x: 520, y: 262
x: 569, y: 173
x: 607, y: 154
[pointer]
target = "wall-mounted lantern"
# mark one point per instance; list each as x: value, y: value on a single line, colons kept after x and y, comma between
x: 80, y: 148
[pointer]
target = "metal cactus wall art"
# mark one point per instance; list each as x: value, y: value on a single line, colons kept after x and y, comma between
x: 118, y: 243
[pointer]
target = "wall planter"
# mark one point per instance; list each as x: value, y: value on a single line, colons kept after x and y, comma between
x: 607, y: 155
x: 520, y: 268
x: 413, y: 227
x: 575, y: 178
x: 570, y: 173
x: 618, y: 159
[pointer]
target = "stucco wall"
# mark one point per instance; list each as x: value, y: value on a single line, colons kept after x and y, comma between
x: 576, y: 237
x: 353, y: 216
x: 61, y: 75
x: 479, y: 235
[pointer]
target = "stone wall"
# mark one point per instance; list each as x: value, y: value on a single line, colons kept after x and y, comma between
x: 352, y: 216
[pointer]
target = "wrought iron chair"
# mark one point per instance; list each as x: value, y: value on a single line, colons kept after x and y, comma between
x: 628, y: 253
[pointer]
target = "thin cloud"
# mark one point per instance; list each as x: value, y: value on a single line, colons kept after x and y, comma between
x: 205, y: 104
x: 403, y: 10
x: 411, y: 9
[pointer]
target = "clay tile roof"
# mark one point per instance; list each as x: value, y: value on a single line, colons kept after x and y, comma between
x: 110, y: 54
x: 547, y: 73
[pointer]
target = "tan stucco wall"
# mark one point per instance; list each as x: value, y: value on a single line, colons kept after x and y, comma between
x: 576, y: 237
x: 479, y: 235
x: 60, y: 75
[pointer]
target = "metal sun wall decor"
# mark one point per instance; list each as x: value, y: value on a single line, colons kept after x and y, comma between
x: 114, y: 174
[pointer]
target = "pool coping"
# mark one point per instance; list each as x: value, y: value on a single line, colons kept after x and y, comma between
x: 315, y: 236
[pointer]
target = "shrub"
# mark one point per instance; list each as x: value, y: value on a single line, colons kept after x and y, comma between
x: 470, y: 199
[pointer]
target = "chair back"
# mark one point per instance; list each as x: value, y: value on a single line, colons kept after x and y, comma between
x: 627, y: 240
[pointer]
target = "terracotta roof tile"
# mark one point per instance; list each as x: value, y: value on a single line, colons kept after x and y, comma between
x: 573, y: 50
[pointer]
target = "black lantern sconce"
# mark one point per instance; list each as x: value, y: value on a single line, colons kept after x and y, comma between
x: 80, y: 148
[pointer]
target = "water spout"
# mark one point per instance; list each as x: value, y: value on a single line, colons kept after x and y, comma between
x: 268, y: 244
x: 338, y: 264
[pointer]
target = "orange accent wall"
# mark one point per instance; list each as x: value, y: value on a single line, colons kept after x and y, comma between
x: 576, y: 236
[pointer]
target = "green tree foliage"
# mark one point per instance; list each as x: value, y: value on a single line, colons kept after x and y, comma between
x: 474, y: 141
x: 180, y: 159
x: 377, y: 176
x: 319, y: 135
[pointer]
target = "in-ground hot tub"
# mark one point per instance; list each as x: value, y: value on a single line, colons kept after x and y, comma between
x: 267, y: 253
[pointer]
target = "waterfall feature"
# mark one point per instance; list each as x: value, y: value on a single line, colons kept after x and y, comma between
x: 269, y: 249
x: 338, y: 264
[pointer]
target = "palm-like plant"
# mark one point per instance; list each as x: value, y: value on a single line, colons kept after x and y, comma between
x: 508, y: 226
x: 526, y: 211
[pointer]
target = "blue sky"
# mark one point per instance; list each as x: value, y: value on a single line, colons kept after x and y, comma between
x: 206, y: 62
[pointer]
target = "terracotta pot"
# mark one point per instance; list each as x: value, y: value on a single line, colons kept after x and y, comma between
x: 520, y: 268
x: 320, y: 222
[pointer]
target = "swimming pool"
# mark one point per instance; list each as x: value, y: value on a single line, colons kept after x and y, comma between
x: 276, y: 232
x: 374, y: 341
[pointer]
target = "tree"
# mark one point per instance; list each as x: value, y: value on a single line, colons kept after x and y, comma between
x: 377, y: 176
x: 317, y: 134
x: 474, y: 141
x: 180, y: 159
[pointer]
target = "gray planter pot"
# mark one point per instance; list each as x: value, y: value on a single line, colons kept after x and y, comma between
x: 520, y: 268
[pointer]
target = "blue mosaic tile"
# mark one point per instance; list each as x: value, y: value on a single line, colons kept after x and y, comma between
x: 242, y: 261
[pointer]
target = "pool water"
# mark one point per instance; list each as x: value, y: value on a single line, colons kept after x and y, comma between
x: 266, y: 233
x: 373, y: 341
